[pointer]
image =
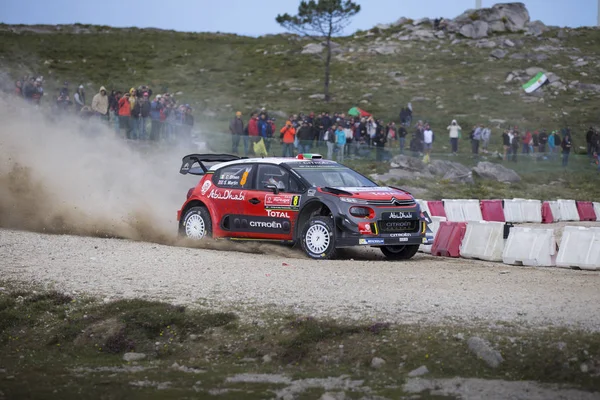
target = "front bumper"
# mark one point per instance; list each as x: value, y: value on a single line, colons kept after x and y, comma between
x: 349, y: 235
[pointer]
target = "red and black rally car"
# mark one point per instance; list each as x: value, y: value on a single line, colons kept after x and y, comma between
x: 319, y: 204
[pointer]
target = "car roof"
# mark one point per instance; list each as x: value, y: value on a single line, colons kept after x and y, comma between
x: 271, y: 160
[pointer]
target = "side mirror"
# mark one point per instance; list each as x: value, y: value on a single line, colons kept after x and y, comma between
x: 272, y: 187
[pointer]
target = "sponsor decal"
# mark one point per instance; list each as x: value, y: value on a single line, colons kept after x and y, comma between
x: 186, y: 167
x: 311, y: 192
x: 244, y: 177
x: 392, y: 224
x: 278, y: 214
x: 266, y: 224
x: 373, y: 189
x: 226, y: 195
x: 400, y: 234
x: 371, y: 241
x: 379, y: 193
x: 205, y: 187
x: 364, y: 228
x: 400, y: 215
x: 425, y: 240
x: 282, y: 201
x: 403, y: 239
x: 245, y: 223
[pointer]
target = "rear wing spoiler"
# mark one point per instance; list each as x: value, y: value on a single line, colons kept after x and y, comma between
x: 194, y: 163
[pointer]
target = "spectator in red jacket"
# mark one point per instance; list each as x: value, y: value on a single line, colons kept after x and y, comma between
x: 253, y: 127
x: 125, y: 114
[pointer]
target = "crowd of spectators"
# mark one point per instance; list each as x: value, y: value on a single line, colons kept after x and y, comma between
x: 138, y: 114
x: 135, y: 114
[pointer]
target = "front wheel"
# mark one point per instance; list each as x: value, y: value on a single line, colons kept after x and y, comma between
x: 318, y: 238
x: 196, y: 224
x: 400, y: 252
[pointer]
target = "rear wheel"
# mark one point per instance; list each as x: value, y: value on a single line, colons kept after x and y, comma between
x: 400, y: 252
x: 318, y: 238
x: 196, y: 224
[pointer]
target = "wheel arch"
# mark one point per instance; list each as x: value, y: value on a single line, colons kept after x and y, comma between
x: 313, y: 207
x: 190, y: 204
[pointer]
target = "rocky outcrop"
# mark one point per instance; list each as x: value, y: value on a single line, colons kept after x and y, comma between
x: 404, y: 167
x: 313, y: 48
x: 496, y: 172
x: 511, y: 17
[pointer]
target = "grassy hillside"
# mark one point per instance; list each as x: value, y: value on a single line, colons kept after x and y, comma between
x: 221, y: 73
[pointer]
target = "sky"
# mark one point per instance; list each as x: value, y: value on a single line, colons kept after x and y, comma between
x: 257, y: 17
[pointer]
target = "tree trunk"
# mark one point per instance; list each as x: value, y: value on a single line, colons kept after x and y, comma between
x: 327, y: 69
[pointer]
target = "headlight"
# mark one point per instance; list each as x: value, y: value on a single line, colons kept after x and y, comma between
x: 352, y: 200
x: 362, y: 212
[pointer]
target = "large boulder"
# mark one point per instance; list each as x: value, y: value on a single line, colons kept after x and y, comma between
x: 536, y: 28
x: 496, y: 172
x: 409, y: 163
x: 313, y: 48
x: 476, y: 30
x: 451, y: 171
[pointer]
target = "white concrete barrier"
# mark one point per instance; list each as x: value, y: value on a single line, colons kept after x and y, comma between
x: 454, y: 210
x: 532, y: 211
x: 483, y: 240
x: 435, y: 224
x: 530, y: 247
x: 568, y: 210
x: 579, y: 247
x: 555, y: 210
x: 472, y: 210
x: 597, y: 210
x: 462, y: 210
x: 513, y: 210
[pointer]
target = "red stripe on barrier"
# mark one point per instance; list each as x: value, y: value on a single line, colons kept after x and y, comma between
x: 492, y: 210
x: 586, y: 211
x: 437, y: 208
x: 448, y: 239
x: 547, y: 216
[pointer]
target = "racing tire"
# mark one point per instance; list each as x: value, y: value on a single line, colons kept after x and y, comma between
x: 399, y: 252
x: 318, y: 238
x: 196, y: 224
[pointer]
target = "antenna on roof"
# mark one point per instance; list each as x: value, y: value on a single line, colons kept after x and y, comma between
x: 478, y: 4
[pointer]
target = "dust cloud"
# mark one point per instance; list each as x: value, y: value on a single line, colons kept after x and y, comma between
x: 70, y: 176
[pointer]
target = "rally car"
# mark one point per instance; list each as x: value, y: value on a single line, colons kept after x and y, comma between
x: 317, y: 204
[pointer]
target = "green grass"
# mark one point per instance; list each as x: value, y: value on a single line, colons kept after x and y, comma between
x: 222, y: 73
x: 47, y: 350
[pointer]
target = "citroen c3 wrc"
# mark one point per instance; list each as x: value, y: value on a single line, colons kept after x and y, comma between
x: 317, y: 204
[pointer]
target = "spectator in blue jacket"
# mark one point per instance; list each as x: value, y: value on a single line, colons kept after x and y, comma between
x: 265, y: 130
x: 340, y: 143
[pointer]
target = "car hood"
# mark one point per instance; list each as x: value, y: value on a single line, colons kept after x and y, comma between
x: 376, y: 193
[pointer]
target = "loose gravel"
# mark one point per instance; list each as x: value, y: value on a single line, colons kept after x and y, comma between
x: 361, y: 286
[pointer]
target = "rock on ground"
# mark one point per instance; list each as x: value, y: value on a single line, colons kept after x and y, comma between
x: 377, y: 362
x: 498, y: 53
x: 133, y: 357
x: 422, y: 370
x: 496, y: 172
x: 484, y: 351
x: 469, y: 388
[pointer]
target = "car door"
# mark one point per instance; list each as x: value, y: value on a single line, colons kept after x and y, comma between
x: 229, y: 196
x: 272, y: 215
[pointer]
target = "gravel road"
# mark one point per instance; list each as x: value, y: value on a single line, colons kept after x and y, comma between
x: 359, y: 286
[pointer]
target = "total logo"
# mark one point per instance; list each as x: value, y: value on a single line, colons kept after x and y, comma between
x: 269, y: 224
x: 400, y: 215
x: 278, y: 214
x: 226, y: 195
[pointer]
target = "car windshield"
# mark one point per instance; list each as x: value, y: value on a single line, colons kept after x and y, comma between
x: 334, y: 177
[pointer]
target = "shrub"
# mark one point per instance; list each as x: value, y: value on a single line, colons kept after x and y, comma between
x: 474, y: 17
